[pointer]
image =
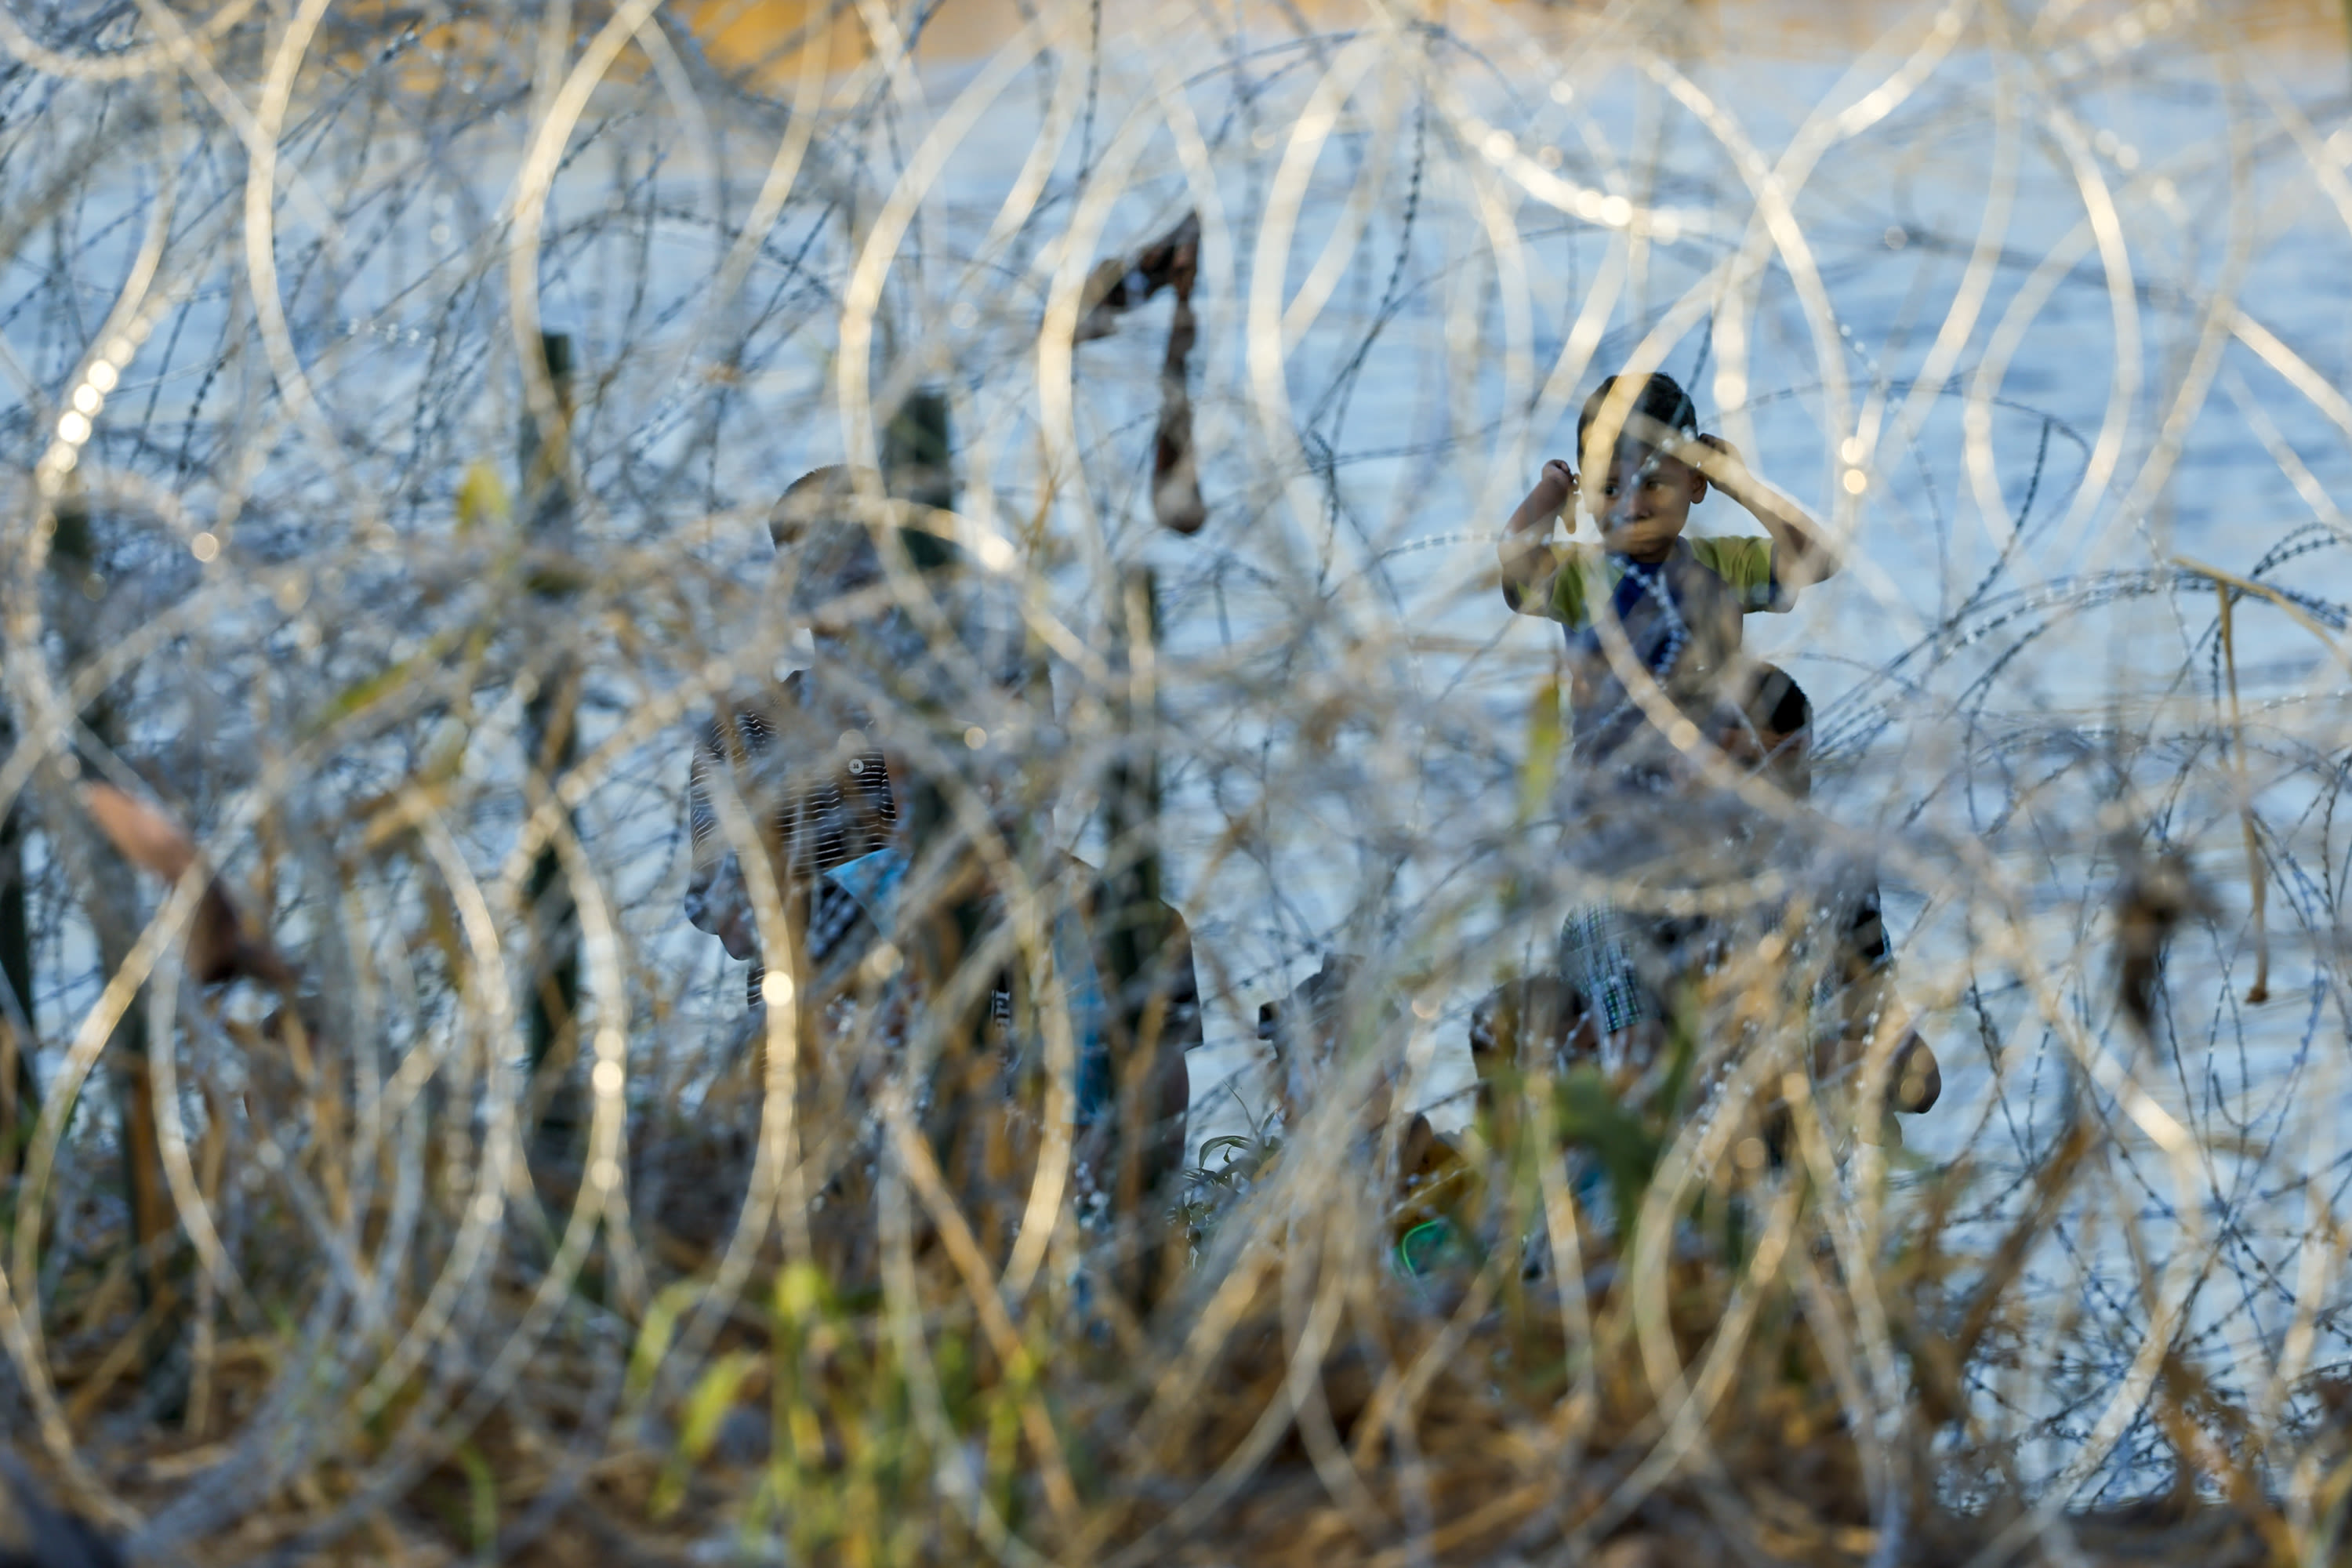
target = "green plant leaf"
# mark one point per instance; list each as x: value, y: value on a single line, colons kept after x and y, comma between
x: 652, y: 1340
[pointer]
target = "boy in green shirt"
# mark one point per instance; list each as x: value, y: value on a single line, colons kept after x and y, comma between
x: 1679, y: 604
x: 1678, y: 601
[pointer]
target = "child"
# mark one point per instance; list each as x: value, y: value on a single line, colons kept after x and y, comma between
x: 1862, y: 960
x: 1678, y: 601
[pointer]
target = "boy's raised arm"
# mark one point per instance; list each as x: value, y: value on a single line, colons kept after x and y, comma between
x: 1803, y: 552
x: 1524, y: 553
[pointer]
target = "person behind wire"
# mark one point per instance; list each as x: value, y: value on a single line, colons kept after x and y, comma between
x: 797, y: 753
x: 1679, y: 601
x: 1678, y: 605
x: 819, y: 765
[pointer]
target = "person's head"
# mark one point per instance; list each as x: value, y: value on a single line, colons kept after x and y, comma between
x: 830, y: 529
x: 1781, y: 717
x: 1640, y: 492
x: 841, y: 498
x: 819, y: 498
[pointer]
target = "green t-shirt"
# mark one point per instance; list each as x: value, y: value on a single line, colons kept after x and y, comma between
x: 1744, y: 563
x: 1680, y: 620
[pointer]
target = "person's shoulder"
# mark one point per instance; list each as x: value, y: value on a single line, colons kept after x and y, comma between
x: 1732, y: 555
x: 1745, y: 561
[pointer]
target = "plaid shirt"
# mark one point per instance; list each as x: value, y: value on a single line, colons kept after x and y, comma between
x: 817, y: 801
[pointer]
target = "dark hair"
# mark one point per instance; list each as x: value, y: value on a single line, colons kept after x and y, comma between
x: 1778, y: 703
x: 820, y: 496
x: 822, y: 500
x: 1661, y: 398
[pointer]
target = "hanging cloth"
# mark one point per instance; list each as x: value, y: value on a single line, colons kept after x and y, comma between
x: 1120, y: 284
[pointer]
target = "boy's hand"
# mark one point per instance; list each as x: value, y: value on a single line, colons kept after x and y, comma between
x: 1720, y: 461
x: 1804, y: 555
x: 1526, y: 558
x: 1555, y: 489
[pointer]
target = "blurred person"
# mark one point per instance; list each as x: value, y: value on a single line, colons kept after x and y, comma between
x: 1678, y: 601
x: 1552, y: 1017
x: 1774, y: 737
x: 1679, y: 604
x: 1431, y: 1190
x: 820, y: 764
x: 1776, y: 740
x: 799, y: 746
x: 1545, y: 1024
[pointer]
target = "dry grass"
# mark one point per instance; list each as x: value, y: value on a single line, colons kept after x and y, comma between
x: 390, y: 1172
